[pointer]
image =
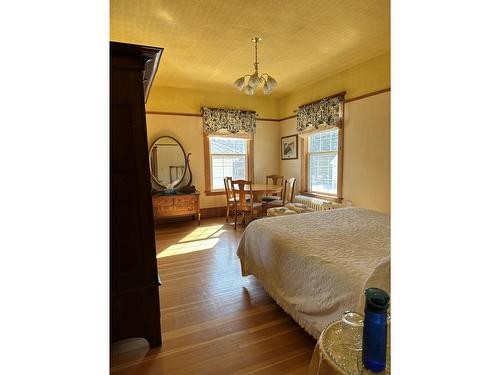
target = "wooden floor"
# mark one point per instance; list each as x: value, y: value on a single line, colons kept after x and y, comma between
x: 214, y: 321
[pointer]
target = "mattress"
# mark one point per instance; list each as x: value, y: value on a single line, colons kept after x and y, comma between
x: 317, y: 265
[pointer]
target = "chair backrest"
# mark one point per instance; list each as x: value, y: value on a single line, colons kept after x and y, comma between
x: 275, y: 179
x: 228, y: 187
x: 240, y: 192
x: 288, y: 190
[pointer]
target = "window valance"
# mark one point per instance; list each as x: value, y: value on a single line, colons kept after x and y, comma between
x: 229, y: 122
x: 323, y: 114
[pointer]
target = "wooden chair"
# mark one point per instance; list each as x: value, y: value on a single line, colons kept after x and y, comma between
x: 273, y: 179
x: 230, y: 198
x: 286, y: 196
x: 242, y: 204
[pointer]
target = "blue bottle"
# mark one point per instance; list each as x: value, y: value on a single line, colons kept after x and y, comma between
x: 375, y: 329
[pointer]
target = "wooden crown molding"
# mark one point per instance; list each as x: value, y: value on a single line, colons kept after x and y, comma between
x: 270, y: 119
x: 196, y: 115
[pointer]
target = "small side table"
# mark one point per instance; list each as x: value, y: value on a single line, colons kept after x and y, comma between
x: 331, y: 357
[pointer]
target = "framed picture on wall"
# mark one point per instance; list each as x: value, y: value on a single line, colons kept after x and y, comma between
x: 289, y: 147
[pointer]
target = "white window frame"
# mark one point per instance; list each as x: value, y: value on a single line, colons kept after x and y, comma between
x: 307, y: 175
x: 248, y: 167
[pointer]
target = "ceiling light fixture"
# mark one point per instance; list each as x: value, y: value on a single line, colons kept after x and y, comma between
x: 254, y: 80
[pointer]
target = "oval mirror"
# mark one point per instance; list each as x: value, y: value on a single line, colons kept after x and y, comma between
x: 167, y: 162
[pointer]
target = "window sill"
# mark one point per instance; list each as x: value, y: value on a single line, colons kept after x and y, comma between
x: 215, y: 192
x: 328, y: 197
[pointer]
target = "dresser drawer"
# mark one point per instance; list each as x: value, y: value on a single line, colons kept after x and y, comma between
x: 162, y: 204
x: 188, y: 204
x: 165, y: 206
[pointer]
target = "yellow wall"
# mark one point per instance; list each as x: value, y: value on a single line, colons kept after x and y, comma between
x: 177, y: 100
x: 367, y: 153
x: 370, y: 76
x: 367, y: 77
x: 266, y: 151
x: 290, y: 168
x: 188, y: 130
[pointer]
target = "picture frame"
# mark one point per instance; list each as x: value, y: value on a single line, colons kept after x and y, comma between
x: 290, y: 147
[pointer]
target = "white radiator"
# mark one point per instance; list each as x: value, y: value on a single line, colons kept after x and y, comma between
x: 316, y: 204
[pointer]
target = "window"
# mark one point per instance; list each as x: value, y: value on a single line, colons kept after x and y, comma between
x: 323, y: 162
x: 228, y: 158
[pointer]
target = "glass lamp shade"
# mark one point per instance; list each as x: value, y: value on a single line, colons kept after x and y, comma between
x: 254, y: 80
x: 239, y: 83
x: 248, y: 90
x: 271, y: 82
x: 267, y: 88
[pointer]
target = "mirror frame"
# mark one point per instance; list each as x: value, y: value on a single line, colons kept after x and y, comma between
x: 149, y: 161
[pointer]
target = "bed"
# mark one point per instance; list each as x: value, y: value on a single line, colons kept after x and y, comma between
x: 317, y: 265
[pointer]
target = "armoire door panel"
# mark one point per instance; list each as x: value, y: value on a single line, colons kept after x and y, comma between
x: 134, y: 304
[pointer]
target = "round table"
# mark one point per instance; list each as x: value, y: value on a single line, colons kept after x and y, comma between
x: 332, y: 357
x: 260, y: 189
x: 263, y: 188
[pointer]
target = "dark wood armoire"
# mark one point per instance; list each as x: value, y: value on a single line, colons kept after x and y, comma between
x: 135, y: 305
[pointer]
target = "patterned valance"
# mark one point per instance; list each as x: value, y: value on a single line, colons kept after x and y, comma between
x: 228, y: 122
x: 324, y: 114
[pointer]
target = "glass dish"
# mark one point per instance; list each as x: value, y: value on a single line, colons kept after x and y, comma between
x: 352, y: 330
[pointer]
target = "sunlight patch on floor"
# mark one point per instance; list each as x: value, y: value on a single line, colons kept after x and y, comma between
x: 188, y: 247
x: 203, y: 233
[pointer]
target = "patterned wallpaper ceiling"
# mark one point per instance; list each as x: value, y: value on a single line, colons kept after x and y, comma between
x: 207, y: 42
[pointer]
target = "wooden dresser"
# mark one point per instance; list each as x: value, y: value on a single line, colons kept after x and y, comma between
x: 177, y: 205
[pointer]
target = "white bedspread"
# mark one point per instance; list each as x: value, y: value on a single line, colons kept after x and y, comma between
x: 317, y: 265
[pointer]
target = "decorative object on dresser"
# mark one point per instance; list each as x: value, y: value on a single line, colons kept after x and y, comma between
x: 188, y: 188
x: 167, y: 162
x: 134, y: 302
x: 169, y: 167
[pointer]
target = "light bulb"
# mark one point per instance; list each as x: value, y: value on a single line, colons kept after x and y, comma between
x: 254, y: 80
x: 239, y: 83
x: 267, y: 88
x: 248, y: 90
x: 271, y: 82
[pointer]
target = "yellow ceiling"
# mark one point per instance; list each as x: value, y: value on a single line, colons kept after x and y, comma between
x: 207, y: 42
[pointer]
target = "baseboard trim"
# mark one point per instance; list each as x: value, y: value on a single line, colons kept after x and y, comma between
x: 206, y: 213
x: 209, y: 212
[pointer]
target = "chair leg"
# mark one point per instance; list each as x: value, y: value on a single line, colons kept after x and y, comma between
x: 235, y: 218
x: 227, y: 213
